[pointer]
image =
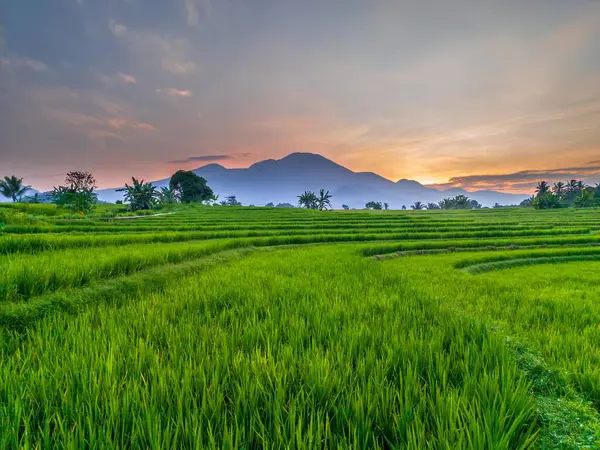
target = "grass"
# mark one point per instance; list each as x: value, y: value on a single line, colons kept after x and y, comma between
x: 272, y: 328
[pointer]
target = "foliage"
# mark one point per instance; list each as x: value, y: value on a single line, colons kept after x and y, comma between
x: 140, y: 195
x: 167, y: 195
x: 345, y: 207
x: 231, y: 201
x: 308, y: 200
x: 432, y: 206
x: 77, y: 195
x: 459, y: 202
x: 528, y: 202
x: 386, y: 206
x: 572, y: 193
x: 190, y: 187
x: 78, y: 181
x: 374, y: 205
x: 417, y: 206
x: 586, y: 199
x: 548, y: 200
x: 35, y: 198
x: 323, y: 200
x: 13, y: 188
x: 542, y: 189
x: 79, y: 202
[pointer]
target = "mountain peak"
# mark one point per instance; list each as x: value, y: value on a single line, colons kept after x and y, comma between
x: 406, y: 182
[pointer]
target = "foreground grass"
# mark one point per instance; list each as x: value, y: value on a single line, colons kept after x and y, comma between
x: 304, y: 348
x: 463, y: 332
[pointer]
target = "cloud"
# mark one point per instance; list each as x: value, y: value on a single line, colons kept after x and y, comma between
x: 117, y: 29
x: 123, y: 124
x: 523, y: 181
x: 171, y: 54
x: 183, y: 93
x: 202, y: 159
x: 20, y: 62
x: 127, y: 79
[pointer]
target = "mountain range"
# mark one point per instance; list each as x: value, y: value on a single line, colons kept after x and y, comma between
x: 281, y: 181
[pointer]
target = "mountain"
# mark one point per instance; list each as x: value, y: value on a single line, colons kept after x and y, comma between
x: 281, y: 181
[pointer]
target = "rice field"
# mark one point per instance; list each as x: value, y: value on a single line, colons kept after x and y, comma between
x: 243, y: 328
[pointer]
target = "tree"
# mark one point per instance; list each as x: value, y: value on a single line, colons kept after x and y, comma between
x: 139, y: 195
x: 77, y: 194
x: 35, y: 198
x: 374, y: 205
x: 167, y: 195
x: 559, y: 189
x: 431, y: 206
x: 546, y: 201
x: 386, y: 206
x: 403, y: 207
x: 346, y: 207
x: 12, y: 187
x: 78, y: 181
x: 324, y: 200
x: 542, y: 189
x: 418, y: 206
x: 190, y: 187
x: 231, y: 201
x: 527, y: 202
x: 308, y: 200
x: 585, y: 200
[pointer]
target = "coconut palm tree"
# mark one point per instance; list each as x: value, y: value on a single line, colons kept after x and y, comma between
x: 542, y: 188
x: 418, y: 206
x: 12, y: 187
x: 559, y: 189
x: 324, y: 200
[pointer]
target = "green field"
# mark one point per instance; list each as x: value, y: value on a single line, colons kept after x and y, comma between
x: 224, y: 327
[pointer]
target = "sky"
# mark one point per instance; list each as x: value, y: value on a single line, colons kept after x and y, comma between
x: 478, y: 94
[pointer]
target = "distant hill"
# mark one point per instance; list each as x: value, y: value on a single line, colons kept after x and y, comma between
x: 281, y: 181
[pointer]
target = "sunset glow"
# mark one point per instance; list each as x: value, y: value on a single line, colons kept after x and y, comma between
x: 467, y: 94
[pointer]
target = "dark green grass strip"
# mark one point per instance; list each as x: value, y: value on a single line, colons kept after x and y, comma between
x: 479, y: 244
x: 35, y: 243
x: 567, y: 421
x: 509, y: 264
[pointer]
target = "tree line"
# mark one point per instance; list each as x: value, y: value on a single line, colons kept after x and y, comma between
x: 458, y: 202
x: 78, y: 192
x: 563, y: 195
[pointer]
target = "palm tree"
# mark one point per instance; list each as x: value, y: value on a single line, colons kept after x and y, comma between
x: 308, y: 200
x: 572, y: 186
x: 35, y: 198
x: 324, y: 200
x: 386, y: 206
x: 559, y: 188
x: 418, y: 206
x: 139, y: 195
x: 542, y: 188
x: 581, y: 186
x: 12, y: 187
